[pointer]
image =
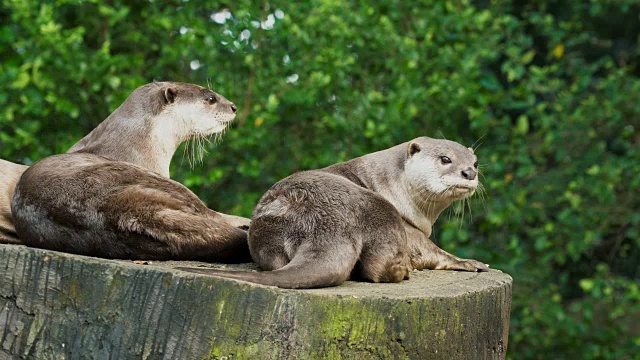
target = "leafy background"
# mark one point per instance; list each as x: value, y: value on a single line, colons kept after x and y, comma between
x: 549, y: 89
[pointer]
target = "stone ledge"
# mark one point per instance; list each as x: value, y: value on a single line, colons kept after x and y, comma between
x: 60, y: 305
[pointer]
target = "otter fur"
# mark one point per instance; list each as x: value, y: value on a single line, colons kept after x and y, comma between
x: 9, y: 175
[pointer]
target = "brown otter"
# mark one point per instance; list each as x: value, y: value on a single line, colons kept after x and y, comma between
x: 9, y: 175
x: 121, y: 124
x: 110, y: 195
x: 369, y: 218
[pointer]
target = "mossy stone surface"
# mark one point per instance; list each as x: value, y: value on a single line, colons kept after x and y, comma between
x: 56, y: 305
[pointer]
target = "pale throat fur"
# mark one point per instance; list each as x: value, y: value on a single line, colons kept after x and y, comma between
x: 417, y: 172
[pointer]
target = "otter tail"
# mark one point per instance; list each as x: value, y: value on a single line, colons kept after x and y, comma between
x: 311, y: 274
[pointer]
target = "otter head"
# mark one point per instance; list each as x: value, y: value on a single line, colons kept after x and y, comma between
x: 154, y: 120
x: 440, y: 170
x: 197, y: 111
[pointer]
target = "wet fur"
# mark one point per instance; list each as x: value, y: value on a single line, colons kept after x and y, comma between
x: 369, y: 218
x: 110, y: 196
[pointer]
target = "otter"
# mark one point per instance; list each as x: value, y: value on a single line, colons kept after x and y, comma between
x: 9, y: 175
x: 103, y: 139
x: 110, y: 195
x: 369, y: 218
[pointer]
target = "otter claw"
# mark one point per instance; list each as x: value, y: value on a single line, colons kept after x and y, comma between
x: 483, y: 268
x: 474, y: 265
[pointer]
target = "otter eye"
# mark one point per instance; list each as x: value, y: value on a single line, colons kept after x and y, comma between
x: 211, y: 100
x: 445, y: 160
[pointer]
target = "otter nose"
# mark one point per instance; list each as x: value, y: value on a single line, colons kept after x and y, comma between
x: 233, y: 107
x: 469, y: 174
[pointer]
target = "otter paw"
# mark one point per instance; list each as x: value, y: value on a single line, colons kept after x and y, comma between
x: 469, y: 265
x: 396, y: 273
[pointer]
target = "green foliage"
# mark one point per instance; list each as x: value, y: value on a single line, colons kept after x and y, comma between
x: 550, y: 90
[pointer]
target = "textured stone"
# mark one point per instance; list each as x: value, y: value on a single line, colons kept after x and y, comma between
x: 56, y: 305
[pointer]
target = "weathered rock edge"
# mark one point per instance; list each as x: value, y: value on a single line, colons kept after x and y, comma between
x: 57, y: 305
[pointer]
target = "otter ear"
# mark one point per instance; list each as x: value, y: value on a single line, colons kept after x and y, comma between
x: 169, y: 95
x: 164, y: 96
x: 413, y: 148
x: 471, y: 149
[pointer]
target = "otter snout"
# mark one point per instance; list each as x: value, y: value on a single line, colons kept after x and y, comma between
x: 468, y: 173
x: 226, y: 104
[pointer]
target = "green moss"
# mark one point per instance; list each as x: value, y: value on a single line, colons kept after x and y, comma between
x: 232, y: 350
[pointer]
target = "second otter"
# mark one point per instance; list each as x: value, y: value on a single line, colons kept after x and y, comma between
x: 88, y: 203
x: 370, y: 217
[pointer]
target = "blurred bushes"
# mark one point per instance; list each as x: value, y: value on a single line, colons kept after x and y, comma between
x: 549, y: 90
